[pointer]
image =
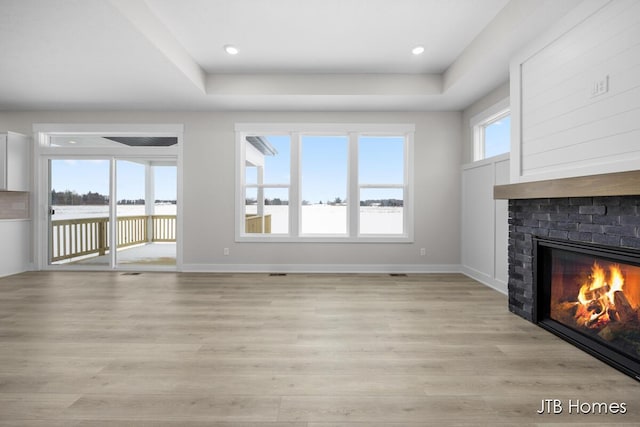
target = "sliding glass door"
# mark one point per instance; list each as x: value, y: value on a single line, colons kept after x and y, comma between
x: 79, y: 195
x: 112, y: 213
x: 146, y: 213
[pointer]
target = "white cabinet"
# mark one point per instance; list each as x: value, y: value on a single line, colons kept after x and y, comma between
x: 14, y: 162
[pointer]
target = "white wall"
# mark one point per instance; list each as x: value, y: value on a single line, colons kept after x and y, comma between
x: 209, y: 168
x: 485, y: 228
x: 484, y: 221
x: 564, y: 130
x: 15, y: 249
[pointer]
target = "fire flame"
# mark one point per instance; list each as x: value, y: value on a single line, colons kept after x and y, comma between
x: 596, y: 298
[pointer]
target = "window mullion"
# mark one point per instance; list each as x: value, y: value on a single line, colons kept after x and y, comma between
x: 382, y: 185
x: 408, y: 191
x: 260, y: 191
x: 294, y: 189
x: 353, y: 191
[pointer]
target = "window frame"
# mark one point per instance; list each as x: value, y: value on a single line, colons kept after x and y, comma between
x: 383, y: 186
x: 480, y: 122
x: 352, y: 131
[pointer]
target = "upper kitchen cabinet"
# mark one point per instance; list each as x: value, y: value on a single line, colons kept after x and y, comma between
x: 14, y: 162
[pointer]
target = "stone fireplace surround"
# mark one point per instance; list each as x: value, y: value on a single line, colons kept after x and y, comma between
x: 611, y: 220
x: 598, y: 209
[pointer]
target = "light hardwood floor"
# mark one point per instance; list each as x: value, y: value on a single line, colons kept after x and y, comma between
x: 163, y: 349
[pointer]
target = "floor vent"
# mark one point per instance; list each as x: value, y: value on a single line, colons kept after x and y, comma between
x: 131, y: 274
x: 398, y: 275
x: 277, y: 274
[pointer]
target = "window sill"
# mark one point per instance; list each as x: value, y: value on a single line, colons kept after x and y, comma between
x: 317, y: 239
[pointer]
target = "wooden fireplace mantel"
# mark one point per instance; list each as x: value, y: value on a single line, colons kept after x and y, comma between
x: 609, y: 184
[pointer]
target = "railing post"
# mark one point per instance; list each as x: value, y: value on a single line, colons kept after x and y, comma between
x: 267, y: 224
x: 102, y: 237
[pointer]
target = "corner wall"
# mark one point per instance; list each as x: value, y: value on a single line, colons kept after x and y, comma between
x: 483, y: 245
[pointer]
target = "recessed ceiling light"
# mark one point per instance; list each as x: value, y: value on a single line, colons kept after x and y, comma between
x: 72, y: 142
x: 417, y: 50
x: 231, y: 50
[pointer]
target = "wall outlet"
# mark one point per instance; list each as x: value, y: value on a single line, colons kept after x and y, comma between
x: 423, y: 251
x: 225, y: 251
x: 600, y: 86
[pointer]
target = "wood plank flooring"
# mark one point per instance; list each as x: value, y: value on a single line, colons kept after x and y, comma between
x: 165, y: 349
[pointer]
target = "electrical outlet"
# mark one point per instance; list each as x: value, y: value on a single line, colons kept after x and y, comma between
x: 225, y: 251
x: 600, y: 86
x: 423, y: 251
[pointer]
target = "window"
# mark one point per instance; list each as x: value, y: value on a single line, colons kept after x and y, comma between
x: 324, y: 182
x: 381, y: 181
x: 323, y: 172
x: 266, y: 189
x: 492, y: 132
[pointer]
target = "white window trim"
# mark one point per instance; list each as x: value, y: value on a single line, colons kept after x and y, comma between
x: 353, y: 131
x: 480, y: 121
x: 43, y: 152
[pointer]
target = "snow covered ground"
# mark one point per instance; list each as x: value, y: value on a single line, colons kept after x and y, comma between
x: 71, y: 212
x: 315, y: 219
x: 326, y: 219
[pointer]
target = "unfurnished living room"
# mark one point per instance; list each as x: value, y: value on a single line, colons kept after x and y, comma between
x: 305, y: 213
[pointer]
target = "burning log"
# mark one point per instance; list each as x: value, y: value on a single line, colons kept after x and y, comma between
x: 624, y: 312
x: 598, y: 293
x: 564, y: 312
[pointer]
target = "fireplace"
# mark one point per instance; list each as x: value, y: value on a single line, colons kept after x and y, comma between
x: 590, y: 296
x: 579, y: 228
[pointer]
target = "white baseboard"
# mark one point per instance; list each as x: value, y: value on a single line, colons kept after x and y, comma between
x: 321, y: 268
x: 485, y: 279
x: 339, y: 268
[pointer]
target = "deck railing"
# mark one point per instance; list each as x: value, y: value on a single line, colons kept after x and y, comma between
x: 254, y: 223
x: 72, y: 238
x: 164, y: 228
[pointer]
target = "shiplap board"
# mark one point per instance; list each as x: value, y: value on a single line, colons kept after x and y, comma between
x: 580, y: 116
x: 574, y: 95
x: 567, y: 56
x: 563, y: 129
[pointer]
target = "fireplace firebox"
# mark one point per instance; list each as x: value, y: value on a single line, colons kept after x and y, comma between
x: 590, y: 296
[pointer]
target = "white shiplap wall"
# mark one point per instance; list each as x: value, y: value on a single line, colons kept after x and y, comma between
x: 561, y: 128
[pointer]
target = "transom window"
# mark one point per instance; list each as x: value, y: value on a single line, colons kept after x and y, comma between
x: 492, y: 133
x: 324, y: 182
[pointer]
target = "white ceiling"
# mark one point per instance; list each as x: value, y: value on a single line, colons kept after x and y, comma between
x: 294, y: 54
x: 326, y: 36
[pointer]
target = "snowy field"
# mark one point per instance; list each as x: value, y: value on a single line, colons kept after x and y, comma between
x: 71, y: 212
x: 326, y: 219
x: 316, y: 219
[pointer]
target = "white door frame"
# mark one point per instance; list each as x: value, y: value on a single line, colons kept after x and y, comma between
x: 44, y: 152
